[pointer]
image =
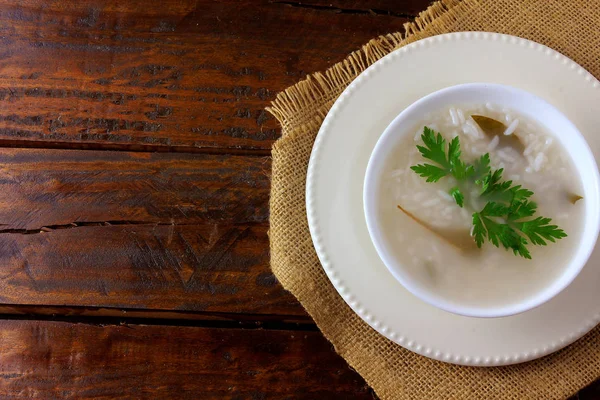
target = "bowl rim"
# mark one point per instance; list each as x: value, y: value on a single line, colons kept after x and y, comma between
x: 573, y: 267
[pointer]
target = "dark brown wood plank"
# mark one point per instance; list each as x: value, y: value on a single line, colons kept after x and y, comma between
x: 50, y: 188
x: 61, y: 360
x: 219, y: 268
x: 43, y: 359
x: 168, y: 75
x: 137, y: 231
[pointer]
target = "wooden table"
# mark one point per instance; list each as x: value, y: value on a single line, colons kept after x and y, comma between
x: 134, y: 185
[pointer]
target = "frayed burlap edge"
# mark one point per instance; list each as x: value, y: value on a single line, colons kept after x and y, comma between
x: 305, y: 105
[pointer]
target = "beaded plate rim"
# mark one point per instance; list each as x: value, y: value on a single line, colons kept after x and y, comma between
x: 311, y: 194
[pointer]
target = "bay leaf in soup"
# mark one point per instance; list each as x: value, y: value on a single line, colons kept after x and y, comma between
x: 492, y: 127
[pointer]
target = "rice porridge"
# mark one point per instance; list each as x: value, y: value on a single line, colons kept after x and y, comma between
x: 414, y: 208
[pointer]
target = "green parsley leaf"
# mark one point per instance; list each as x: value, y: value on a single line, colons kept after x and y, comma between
x: 519, y: 193
x: 448, y: 164
x: 458, y: 196
x: 435, y: 148
x: 454, y: 150
x: 502, y: 221
x: 430, y: 172
x: 481, y: 167
x: 479, y: 231
x: 461, y: 171
x: 521, y: 209
x: 493, y: 186
x: 493, y: 209
x: 499, y: 234
x: 539, y: 229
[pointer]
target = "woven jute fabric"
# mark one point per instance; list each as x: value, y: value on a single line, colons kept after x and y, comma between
x: 573, y: 28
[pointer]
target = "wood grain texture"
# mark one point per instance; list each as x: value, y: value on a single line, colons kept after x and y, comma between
x: 219, y: 268
x: 168, y: 75
x: 47, y: 360
x: 137, y: 230
x: 41, y: 188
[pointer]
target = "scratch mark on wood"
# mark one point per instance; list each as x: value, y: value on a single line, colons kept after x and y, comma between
x: 50, y: 228
x: 87, y: 47
x: 28, y: 272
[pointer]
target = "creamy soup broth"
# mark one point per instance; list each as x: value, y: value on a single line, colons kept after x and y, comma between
x: 490, y: 276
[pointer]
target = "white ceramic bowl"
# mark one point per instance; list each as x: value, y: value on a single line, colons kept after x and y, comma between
x: 528, y: 105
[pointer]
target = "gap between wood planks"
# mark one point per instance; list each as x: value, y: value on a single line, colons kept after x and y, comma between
x: 50, y: 228
x: 29, y: 144
x: 105, y: 316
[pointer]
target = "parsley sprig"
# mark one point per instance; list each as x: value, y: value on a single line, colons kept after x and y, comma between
x: 504, y: 220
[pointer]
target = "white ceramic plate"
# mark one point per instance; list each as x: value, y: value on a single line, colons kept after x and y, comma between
x: 335, y: 210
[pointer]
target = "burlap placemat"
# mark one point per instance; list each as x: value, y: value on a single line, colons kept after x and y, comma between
x: 571, y: 27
